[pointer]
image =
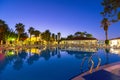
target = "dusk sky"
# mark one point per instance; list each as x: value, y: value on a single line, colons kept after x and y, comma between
x: 65, y: 16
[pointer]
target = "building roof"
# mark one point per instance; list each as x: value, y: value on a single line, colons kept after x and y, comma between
x: 115, y: 38
x: 81, y: 38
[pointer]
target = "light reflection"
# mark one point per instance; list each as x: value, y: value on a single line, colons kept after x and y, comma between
x: 9, y: 53
x: 34, y: 50
x: 30, y: 55
x: 84, y: 49
x: 115, y: 51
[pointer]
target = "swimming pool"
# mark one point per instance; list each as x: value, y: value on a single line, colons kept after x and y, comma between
x: 49, y: 64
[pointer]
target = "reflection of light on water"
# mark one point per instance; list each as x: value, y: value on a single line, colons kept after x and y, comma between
x: 44, y: 48
x: 82, y: 49
x: 34, y: 51
x: 115, y: 51
x: 10, y: 53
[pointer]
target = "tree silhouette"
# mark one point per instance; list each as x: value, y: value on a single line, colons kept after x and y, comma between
x: 3, y: 29
x: 111, y: 9
x: 20, y: 29
x: 46, y: 36
x: 105, y: 24
x: 31, y: 31
x: 36, y: 33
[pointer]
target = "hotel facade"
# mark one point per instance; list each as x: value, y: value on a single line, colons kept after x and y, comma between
x: 115, y: 42
x: 80, y: 41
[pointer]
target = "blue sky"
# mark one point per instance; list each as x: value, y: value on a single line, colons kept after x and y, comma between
x: 65, y: 16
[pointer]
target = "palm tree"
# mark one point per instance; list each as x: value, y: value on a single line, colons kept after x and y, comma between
x: 105, y: 24
x: 23, y: 36
x: 36, y: 33
x: 59, y: 35
x: 3, y: 28
x: 111, y: 9
x: 48, y: 33
x: 20, y: 29
x: 46, y: 36
x: 53, y: 36
x: 31, y: 31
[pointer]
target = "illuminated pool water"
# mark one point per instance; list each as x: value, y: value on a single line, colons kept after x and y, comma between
x: 48, y: 64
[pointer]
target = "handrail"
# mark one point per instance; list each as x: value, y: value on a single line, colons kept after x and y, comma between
x: 92, y: 62
x: 83, y: 62
x: 99, y: 62
x: 98, y: 65
x: 91, y: 68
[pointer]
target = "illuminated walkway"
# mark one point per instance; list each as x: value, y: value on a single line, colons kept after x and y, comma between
x: 107, y: 72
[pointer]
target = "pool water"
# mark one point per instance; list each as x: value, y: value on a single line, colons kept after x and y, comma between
x: 49, y: 64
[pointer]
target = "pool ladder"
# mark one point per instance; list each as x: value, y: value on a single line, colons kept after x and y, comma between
x: 92, y: 62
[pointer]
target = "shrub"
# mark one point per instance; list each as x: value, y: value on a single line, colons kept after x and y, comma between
x: 107, y: 42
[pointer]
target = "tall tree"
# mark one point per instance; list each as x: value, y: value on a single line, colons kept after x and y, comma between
x: 111, y: 10
x: 36, y: 33
x: 31, y: 31
x: 58, y: 36
x: 46, y: 35
x: 20, y: 29
x: 23, y: 36
x: 3, y: 28
x: 105, y: 24
x: 53, y: 36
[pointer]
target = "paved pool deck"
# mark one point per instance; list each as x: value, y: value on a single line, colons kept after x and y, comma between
x: 106, y: 72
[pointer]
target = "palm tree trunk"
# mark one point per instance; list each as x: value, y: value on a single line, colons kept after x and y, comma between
x: 106, y: 34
